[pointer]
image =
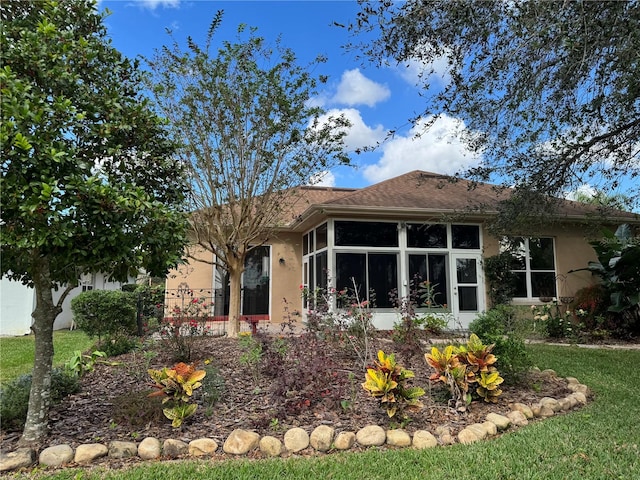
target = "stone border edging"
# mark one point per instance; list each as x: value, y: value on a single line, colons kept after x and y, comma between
x: 322, y: 439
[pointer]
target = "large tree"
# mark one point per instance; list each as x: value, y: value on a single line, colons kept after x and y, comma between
x: 88, y: 180
x: 251, y: 137
x: 548, y: 90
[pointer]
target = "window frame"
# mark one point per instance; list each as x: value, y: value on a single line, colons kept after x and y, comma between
x: 529, y: 272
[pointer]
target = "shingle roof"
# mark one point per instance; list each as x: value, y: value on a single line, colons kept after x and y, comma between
x: 420, y: 192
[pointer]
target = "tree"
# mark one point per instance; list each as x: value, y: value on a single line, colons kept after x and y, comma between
x: 250, y: 138
x: 549, y: 91
x: 88, y: 183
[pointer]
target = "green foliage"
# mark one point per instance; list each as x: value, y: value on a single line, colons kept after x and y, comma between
x: 386, y: 381
x: 500, y: 278
x: 618, y: 267
x: 81, y: 363
x: 14, y: 396
x: 88, y: 178
x: 105, y: 312
x: 213, y: 386
x: 500, y: 326
x: 561, y: 105
x: 251, y: 354
x: 176, y: 386
x: 118, y: 344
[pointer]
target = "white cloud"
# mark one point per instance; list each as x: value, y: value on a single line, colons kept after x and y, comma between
x: 438, y: 149
x: 416, y: 70
x: 153, y: 4
x: 323, y: 179
x: 360, y: 134
x: 583, y: 191
x: 356, y: 89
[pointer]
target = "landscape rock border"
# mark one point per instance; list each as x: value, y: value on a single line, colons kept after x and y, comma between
x: 323, y: 439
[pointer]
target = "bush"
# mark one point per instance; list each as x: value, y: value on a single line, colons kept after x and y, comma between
x: 499, y: 326
x: 118, y: 344
x: 104, y: 312
x: 14, y: 396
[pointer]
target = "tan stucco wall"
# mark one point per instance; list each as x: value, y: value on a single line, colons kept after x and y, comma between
x: 197, y: 274
x: 286, y: 276
x: 572, y: 251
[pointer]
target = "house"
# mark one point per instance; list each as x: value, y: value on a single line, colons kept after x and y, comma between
x: 17, y: 302
x: 382, y: 236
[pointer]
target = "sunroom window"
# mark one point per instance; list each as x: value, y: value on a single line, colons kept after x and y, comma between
x: 375, y: 275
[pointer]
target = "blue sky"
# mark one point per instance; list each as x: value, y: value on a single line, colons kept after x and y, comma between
x: 374, y: 99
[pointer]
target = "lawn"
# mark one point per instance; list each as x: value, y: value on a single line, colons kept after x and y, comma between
x: 600, y: 441
x: 17, y: 353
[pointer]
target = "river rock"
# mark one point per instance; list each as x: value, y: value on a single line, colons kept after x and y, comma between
x: 423, y: 439
x: 119, y: 449
x: 371, y: 435
x: 321, y: 438
x: 202, y: 447
x: 296, y: 439
x: 467, y: 436
x: 89, y: 452
x: 22, y: 457
x: 149, y: 448
x: 345, y: 440
x: 270, y: 446
x: 240, y: 442
x: 517, y: 418
x: 500, y: 421
x: 56, y: 455
x: 398, y: 438
x: 173, y: 448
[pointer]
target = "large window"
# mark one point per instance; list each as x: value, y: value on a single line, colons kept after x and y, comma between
x: 533, y: 265
x: 366, y: 234
x: 375, y: 275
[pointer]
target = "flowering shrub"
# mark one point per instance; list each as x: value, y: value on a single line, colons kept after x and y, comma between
x: 557, y: 324
x: 185, y: 324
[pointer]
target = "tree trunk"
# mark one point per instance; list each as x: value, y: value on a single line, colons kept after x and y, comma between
x: 44, y: 316
x: 235, y: 300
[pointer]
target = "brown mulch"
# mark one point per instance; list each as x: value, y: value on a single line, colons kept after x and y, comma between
x: 113, y: 402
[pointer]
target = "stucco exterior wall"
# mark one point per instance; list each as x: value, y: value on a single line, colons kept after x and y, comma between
x: 286, y: 275
x: 197, y: 274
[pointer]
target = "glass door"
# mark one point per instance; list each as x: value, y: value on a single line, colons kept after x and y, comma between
x: 468, y: 288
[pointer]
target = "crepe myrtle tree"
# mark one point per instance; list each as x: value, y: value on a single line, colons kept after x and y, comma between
x: 251, y: 136
x: 88, y: 181
x: 548, y: 91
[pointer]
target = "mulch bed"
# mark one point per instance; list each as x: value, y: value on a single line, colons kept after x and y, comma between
x: 113, y: 402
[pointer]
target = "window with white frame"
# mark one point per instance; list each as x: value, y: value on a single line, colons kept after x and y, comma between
x: 533, y: 264
x: 87, y: 281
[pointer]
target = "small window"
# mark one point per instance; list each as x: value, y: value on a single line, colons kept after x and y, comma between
x: 426, y: 236
x: 466, y: 236
x: 305, y: 244
x: 366, y: 234
x: 321, y: 236
x: 87, y: 281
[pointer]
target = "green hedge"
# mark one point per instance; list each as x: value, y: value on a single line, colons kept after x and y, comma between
x: 105, y: 312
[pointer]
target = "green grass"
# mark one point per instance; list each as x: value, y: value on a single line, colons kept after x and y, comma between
x: 599, y: 441
x: 17, y: 353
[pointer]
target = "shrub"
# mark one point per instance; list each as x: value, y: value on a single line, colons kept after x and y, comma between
x: 303, y: 374
x: 186, y: 324
x: 136, y: 409
x: 14, y: 396
x: 118, y: 344
x: 499, y: 327
x: 500, y: 278
x: 459, y: 367
x: 386, y: 381
x: 103, y: 312
x: 176, y: 386
x: 213, y: 386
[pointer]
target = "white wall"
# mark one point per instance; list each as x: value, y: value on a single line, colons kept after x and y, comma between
x: 16, y: 305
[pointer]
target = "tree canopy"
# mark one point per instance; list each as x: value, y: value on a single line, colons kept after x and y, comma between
x: 250, y: 137
x: 548, y: 91
x: 89, y: 183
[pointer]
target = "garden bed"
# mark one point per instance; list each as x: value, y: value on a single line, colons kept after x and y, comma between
x: 113, y: 403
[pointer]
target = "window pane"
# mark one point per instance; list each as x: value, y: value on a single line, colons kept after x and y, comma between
x: 321, y: 236
x: 348, y: 266
x: 366, y: 234
x: 305, y: 244
x: 518, y: 250
x: 520, y: 285
x: 426, y: 236
x: 418, y: 268
x: 541, y: 253
x: 255, y: 282
x: 466, y: 270
x: 468, y: 299
x: 321, y: 270
x: 438, y: 278
x: 465, y: 236
x: 543, y: 284
x: 383, y: 277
